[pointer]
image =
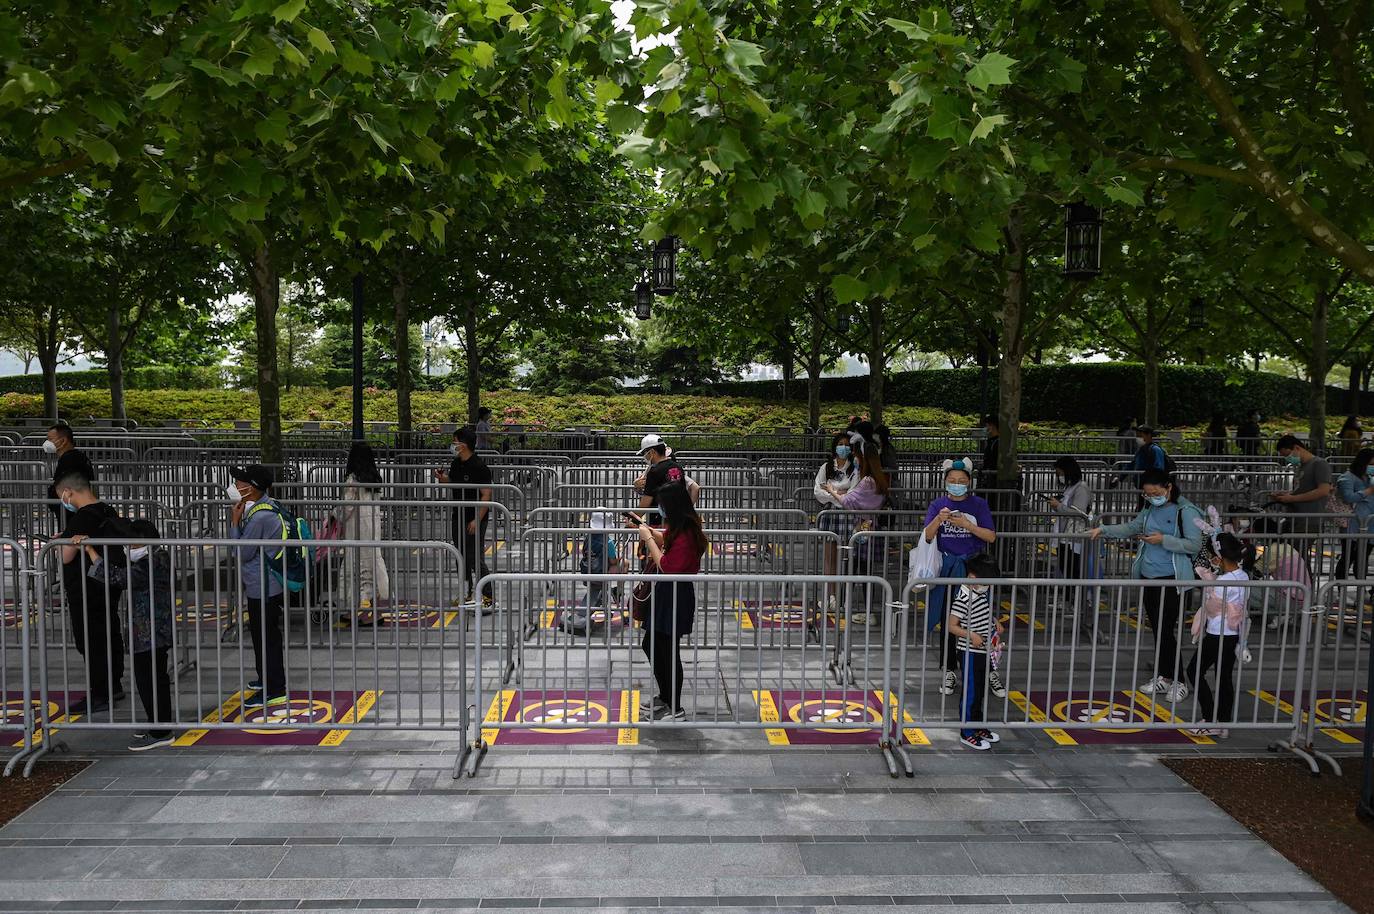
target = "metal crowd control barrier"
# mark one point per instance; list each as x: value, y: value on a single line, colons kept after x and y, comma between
x: 16, y: 625
x: 402, y: 666
x: 1336, y: 701
x: 715, y: 518
x: 1059, y: 676
x: 746, y: 663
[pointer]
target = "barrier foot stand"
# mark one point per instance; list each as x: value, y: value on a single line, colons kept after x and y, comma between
x: 43, y: 750
x: 1293, y: 747
x: 14, y: 760
x: 474, y: 755
x: 183, y: 668
x: 892, y: 753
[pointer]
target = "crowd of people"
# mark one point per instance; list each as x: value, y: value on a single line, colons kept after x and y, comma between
x: 853, y: 487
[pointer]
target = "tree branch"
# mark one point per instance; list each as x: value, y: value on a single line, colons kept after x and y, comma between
x: 1339, y: 43
x: 1303, y: 352
x: 20, y: 178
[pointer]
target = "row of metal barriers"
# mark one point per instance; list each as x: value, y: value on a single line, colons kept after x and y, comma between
x: 558, y: 657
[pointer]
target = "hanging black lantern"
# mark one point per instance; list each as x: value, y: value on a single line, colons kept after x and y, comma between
x: 842, y: 322
x: 1197, y: 314
x: 644, y: 301
x: 1082, y: 241
x: 665, y: 265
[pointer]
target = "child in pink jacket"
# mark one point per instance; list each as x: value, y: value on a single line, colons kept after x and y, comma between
x: 1219, y: 632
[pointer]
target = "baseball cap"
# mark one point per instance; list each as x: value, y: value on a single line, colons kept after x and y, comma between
x: 256, y: 475
x: 650, y: 441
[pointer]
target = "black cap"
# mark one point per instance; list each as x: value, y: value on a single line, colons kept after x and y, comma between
x: 1144, y: 429
x: 256, y: 475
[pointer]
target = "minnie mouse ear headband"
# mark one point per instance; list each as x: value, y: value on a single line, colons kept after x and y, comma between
x: 962, y: 464
x: 857, y: 442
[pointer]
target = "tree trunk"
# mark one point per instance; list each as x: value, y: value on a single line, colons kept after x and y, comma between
x: 474, y: 362
x: 401, y: 313
x: 1352, y: 400
x: 788, y: 373
x: 813, y: 372
x: 49, y: 350
x: 877, y: 360
x: 114, y: 361
x: 1151, y: 411
x: 266, y: 300
x: 1317, y: 370
x: 1013, y: 351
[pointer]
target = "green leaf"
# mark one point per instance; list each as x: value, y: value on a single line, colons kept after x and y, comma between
x: 848, y: 290
x: 925, y: 160
x: 922, y: 241
x: 1122, y: 193
x: 449, y: 86
x: 743, y: 55
x: 288, y: 11
x: 623, y: 118
x: 756, y: 194
x: 994, y: 69
x: 909, y: 29
x: 262, y: 63
x: 320, y: 41
x: 811, y: 203
x: 353, y: 61
x: 730, y: 151
x: 944, y: 118
x: 106, y: 110
x: 986, y: 126
x: 100, y: 150
x: 158, y: 90
x: 273, y: 128
x: 483, y: 54
x: 607, y: 90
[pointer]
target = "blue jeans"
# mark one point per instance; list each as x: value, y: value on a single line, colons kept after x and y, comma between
x: 975, y: 679
x: 951, y: 566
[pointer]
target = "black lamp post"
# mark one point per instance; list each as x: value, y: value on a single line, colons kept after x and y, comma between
x: 665, y: 265
x: 1082, y: 241
x: 1197, y: 314
x: 644, y: 300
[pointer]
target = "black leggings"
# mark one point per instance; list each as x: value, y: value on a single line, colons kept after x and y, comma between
x: 1218, y: 651
x: 665, y: 656
x: 1163, y: 607
x: 154, y: 688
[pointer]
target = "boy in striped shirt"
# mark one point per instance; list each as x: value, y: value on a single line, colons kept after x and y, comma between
x: 971, y: 620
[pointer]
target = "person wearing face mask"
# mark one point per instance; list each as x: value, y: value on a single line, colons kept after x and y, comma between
x: 962, y: 526
x: 471, y: 478
x: 256, y: 516
x: 1169, y: 534
x: 973, y: 621
x: 91, y: 605
x: 1148, y: 454
x: 835, y: 478
x: 861, y: 503
x: 1308, y: 500
x: 61, y: 443
x: 146, y: 579
x: 1355, y: 487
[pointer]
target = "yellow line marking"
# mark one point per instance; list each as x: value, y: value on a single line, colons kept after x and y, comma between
x: 191, y: 737
x: 1286, y: 707
x: 746, y: 622
x: 629, y: 713
x: 492, y: 550
x: 497, y: 713
x: 914, y: 735
x: 447, y: 621
x: 546, y: 619
x: 1167, y: 716
x: 768, y: 714
x: 1057, y: 734
x: 352, y: 715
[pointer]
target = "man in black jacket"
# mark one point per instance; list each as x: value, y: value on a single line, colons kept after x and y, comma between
x: 71, y: 460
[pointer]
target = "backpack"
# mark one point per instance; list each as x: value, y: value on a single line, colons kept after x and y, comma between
x: 1169, y: 465
x: 299, y: 559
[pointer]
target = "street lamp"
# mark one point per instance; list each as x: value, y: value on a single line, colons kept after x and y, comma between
x: 428, y: 334
x: 1082, y: 241
x: 644, y: 300
x: 665, y: 265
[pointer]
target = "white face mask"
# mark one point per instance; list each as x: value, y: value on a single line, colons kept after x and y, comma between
x: 978, y: 588
x: 138, y: 553
x: 453, y: 449
x: 235, y: 496
x: 1140, y: 442
x: 49, y: 448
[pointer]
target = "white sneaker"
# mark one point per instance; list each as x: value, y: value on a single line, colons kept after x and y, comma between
x: 949, y: 684
x: 1176, y: 692
x: 975, y: 741
x: 1158, y: 684
x: 995, y: 685
x: 832, y: 604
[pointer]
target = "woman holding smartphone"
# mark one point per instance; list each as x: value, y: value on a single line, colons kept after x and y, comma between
x: 675, y: 550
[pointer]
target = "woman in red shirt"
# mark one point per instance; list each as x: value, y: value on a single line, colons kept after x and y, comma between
x: 676, y: 550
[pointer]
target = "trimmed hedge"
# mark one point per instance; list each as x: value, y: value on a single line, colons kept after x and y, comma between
x: 154, y: 377
x: 1092, y: 393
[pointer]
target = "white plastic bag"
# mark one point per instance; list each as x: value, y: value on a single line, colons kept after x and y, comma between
x: 924, y: 560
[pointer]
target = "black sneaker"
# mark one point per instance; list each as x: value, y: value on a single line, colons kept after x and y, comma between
x: 257, y: 701
x: 146, y: 741
x: 85, y: 707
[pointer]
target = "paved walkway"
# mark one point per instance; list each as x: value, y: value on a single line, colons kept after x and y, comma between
x: 668, y: 826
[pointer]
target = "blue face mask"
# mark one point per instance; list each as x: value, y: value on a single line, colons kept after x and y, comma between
x: 69, y: 506
x: 1293, y: 460
x: 842, y: 451
x: 956, y: 489
x: 1158, y: 501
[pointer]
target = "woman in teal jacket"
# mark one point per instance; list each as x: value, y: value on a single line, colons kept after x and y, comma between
x: 1169, y: 538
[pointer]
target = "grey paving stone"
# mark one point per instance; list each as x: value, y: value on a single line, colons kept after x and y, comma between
x: 882, y: 859
x: 347, y: 862
x: 1250, y: 856
x: 66, y: 863
x: 1039, y: 858
x: 716, y: 859
x: 189, y: 862
x: 89, y: 810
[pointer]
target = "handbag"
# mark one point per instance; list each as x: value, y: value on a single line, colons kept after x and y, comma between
x: 1340, y: 511
x: 640, y: 599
